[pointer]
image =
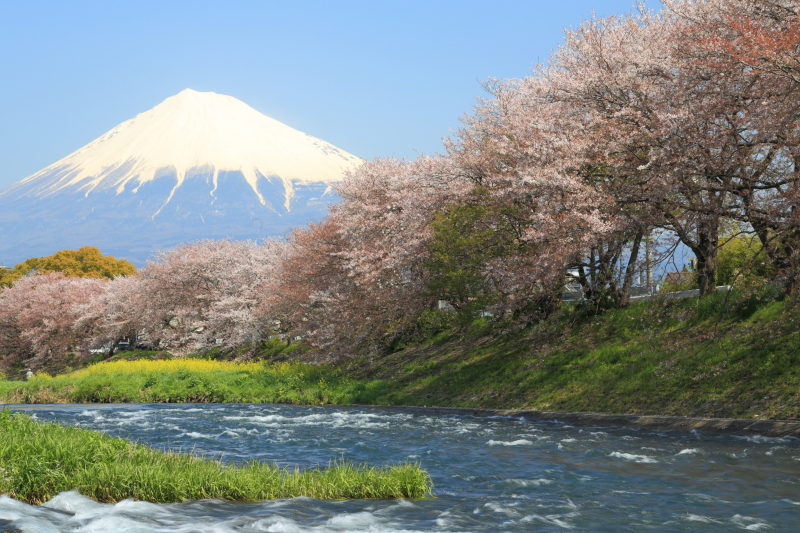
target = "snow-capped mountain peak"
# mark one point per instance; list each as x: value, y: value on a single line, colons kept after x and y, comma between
x: 197, y: 165
x: 194, y: 133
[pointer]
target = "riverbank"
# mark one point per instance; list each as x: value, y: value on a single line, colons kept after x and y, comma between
x: 725, y: 356
x: 187, y: 380
x: 39, y: 460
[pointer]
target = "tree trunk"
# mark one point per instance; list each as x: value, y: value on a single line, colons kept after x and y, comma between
x: 706, y: 253
x: 648, y: 255
x: 625, y: 293
x: 585, y: 284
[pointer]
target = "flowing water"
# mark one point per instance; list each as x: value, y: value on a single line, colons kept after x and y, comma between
x: 490, y: 474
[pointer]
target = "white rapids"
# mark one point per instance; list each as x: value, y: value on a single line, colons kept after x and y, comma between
x: 490, y: 474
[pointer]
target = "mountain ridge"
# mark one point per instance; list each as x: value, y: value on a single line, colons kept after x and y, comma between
x: 198, y: 165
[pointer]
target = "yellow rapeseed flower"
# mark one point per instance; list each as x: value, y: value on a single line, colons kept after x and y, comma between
x: 171, y: 365
x: 144, y: 366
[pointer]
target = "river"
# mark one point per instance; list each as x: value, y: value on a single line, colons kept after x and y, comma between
x: 490, y: 474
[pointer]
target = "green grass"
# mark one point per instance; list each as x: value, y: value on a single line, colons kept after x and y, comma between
x: 726, y: 355
x: 194, y: 380
x: 732, y: 355
x: 39, y: 460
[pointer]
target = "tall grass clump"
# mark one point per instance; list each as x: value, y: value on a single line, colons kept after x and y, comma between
x: 39, y: 460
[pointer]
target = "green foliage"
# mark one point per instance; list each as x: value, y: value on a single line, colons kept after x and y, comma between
x: 742, y: 259
x: 433, y: 325
x: 466, y: 238
x: 195, y: 380
x: 729, y: 355
x: 459, y: 253
x: 267, y: 349
x: 273, y: 348
x: 9, y: 275
x: 87, y: 262
x: 39, y: 460
x: 679, y: 281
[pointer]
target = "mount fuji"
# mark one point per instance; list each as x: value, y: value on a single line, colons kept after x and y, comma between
x: 198, y: 165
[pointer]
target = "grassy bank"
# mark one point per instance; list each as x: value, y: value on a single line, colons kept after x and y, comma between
x: 39, y: 460
x: 195, y: 380
x: 727, y: 355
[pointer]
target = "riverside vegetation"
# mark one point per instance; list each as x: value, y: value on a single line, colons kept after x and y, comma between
x: 40, y: 460
x: 728, y: 354
x: 558, y: 177
x: 193, y: 380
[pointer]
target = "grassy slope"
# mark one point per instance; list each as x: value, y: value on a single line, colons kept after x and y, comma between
x: 38, y: 460
x: 688, y: 357
x: 721, y: 356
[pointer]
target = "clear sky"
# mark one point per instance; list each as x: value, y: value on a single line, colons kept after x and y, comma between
x: 375, y: 78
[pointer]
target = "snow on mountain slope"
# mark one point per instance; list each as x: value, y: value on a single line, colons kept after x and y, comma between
x: 197, y: 165
x: 188, y: 132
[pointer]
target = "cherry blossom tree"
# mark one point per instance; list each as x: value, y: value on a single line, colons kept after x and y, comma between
x: 517, y: 147
x: 357, y: 277
x: 39, y: 319
x: 195, y: 296
x: 674, y: 103
x: 745, y: 53
x: 121, y: 311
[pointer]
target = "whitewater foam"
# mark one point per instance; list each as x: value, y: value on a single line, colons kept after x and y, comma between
x: 590, y: 485
x: 518, y: 442
x: 633, y: 457
x: 688, y: 451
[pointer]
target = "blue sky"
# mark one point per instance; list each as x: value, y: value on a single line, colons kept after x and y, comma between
x: 373, y: 78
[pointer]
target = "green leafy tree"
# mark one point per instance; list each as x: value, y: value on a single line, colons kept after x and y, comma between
x: 743, y: 260
x: 458, y: 255
x: 87, y: 262
x: 467, y: 239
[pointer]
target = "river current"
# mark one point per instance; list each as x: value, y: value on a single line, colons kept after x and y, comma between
x: 490, y: 474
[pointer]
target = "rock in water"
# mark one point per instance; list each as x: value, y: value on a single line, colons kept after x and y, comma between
x: 198, y: 165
